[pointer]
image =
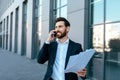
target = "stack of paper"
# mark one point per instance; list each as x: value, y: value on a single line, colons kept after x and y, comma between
x: 79, y: 61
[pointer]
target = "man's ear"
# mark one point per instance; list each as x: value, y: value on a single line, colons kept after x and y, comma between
x: 68, y: 28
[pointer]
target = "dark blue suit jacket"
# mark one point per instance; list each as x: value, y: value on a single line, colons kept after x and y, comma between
x: 48, y: 53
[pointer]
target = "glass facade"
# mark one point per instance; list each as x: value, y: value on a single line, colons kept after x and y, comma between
x: 97, y: 11
x: 105, y: 28
x: 39, y: 24
x: 60, y: 8
x: 112, y: 51
x: 37, y: 21
x: 112, y: 10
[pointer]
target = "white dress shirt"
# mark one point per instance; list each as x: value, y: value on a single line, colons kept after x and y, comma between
x: 59, y: 65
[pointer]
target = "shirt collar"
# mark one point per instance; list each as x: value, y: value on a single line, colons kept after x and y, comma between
x: 66, y: 42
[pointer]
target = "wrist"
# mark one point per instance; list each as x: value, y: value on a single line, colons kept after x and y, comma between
x: 47, y: 42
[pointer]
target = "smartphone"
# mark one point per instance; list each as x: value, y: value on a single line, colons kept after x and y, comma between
x: 54, y: 34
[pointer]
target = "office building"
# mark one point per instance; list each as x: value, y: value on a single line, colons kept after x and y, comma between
x: 25, y: 24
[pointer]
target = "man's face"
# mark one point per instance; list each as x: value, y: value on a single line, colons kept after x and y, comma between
x: 61, y: 29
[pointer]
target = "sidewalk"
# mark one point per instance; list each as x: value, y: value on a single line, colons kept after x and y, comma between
x: 16, y: 67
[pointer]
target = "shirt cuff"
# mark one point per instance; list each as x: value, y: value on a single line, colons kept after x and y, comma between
x: 47, y: 42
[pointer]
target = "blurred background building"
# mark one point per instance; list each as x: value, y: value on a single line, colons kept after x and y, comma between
x: 25, y: 24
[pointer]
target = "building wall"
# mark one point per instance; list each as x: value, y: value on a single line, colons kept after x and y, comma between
x: 7, y: 12
x: 76, y: 16
x: 30, y: 28
x: 4, y: 4
x: 45, y: 20
x: 79, y: 24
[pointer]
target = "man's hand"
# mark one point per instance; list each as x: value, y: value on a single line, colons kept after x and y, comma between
x: 50, y: 37
x: 82, y: 73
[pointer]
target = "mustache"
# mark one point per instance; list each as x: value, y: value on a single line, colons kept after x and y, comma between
x: 58, y: 32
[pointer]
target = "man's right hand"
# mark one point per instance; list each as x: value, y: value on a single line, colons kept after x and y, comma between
x: 50, y: 37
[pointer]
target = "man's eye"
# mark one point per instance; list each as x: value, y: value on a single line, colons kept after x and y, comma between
x: 60, y: 26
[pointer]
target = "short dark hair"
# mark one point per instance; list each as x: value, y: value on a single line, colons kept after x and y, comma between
x: 62, y: 19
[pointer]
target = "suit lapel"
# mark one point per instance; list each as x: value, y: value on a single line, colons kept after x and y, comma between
x: 69, y: 52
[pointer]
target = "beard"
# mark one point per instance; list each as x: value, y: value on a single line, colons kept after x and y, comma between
x: 60, y: 35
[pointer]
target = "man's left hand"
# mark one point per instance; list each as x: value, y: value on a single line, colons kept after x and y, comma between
x: 82, y: 73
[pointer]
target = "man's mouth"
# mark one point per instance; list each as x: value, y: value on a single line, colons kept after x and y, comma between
x: 58, y: 34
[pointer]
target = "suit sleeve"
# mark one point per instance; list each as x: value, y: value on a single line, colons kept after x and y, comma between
x: 79, y: 48
x: 43, y: 54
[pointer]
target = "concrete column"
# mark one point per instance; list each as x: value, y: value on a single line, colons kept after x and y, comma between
x: 20, y: 29
x: 9, y: 33
x: 45, y: 20
x: 2, y: 34
x: 5, y: 19
x: 13, y: 32
x: 29, y: 28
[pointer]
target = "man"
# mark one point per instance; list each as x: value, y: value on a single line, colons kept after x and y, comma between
x: 57, y: 52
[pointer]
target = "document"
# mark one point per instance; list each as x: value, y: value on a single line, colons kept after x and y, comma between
x: 79, y: 61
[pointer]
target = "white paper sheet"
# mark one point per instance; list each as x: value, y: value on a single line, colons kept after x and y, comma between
x: 79, y: 61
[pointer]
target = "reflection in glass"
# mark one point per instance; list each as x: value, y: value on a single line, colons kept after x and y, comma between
x: 40, y: 11
x: 112, y: 10
x: 63, y: 2
x: 64, y: 12
x: 61, y: 9
x: 39, y: 22
x: 98, y: 45
x: 58, y: 3
x: 112, y: 32
x: 58, y: 12
x: 97, y: 7
x: 37, y: 26
x: 98, y: 38
x: 112, y: 48
x: 106, y: 41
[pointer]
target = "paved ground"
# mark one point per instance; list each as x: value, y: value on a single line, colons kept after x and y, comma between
x: 16, y: 67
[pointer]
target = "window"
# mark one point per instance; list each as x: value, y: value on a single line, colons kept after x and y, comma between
x: 60, y: 8
x: 112, y: 51
x: 112, y: 10
x: 97, y: 7
x: 98, y: 33
x: 105, y: 29
x: 37, y: 27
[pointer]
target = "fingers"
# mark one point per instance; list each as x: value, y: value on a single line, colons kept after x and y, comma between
x: 50, y: 36
x: 82, y: 73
